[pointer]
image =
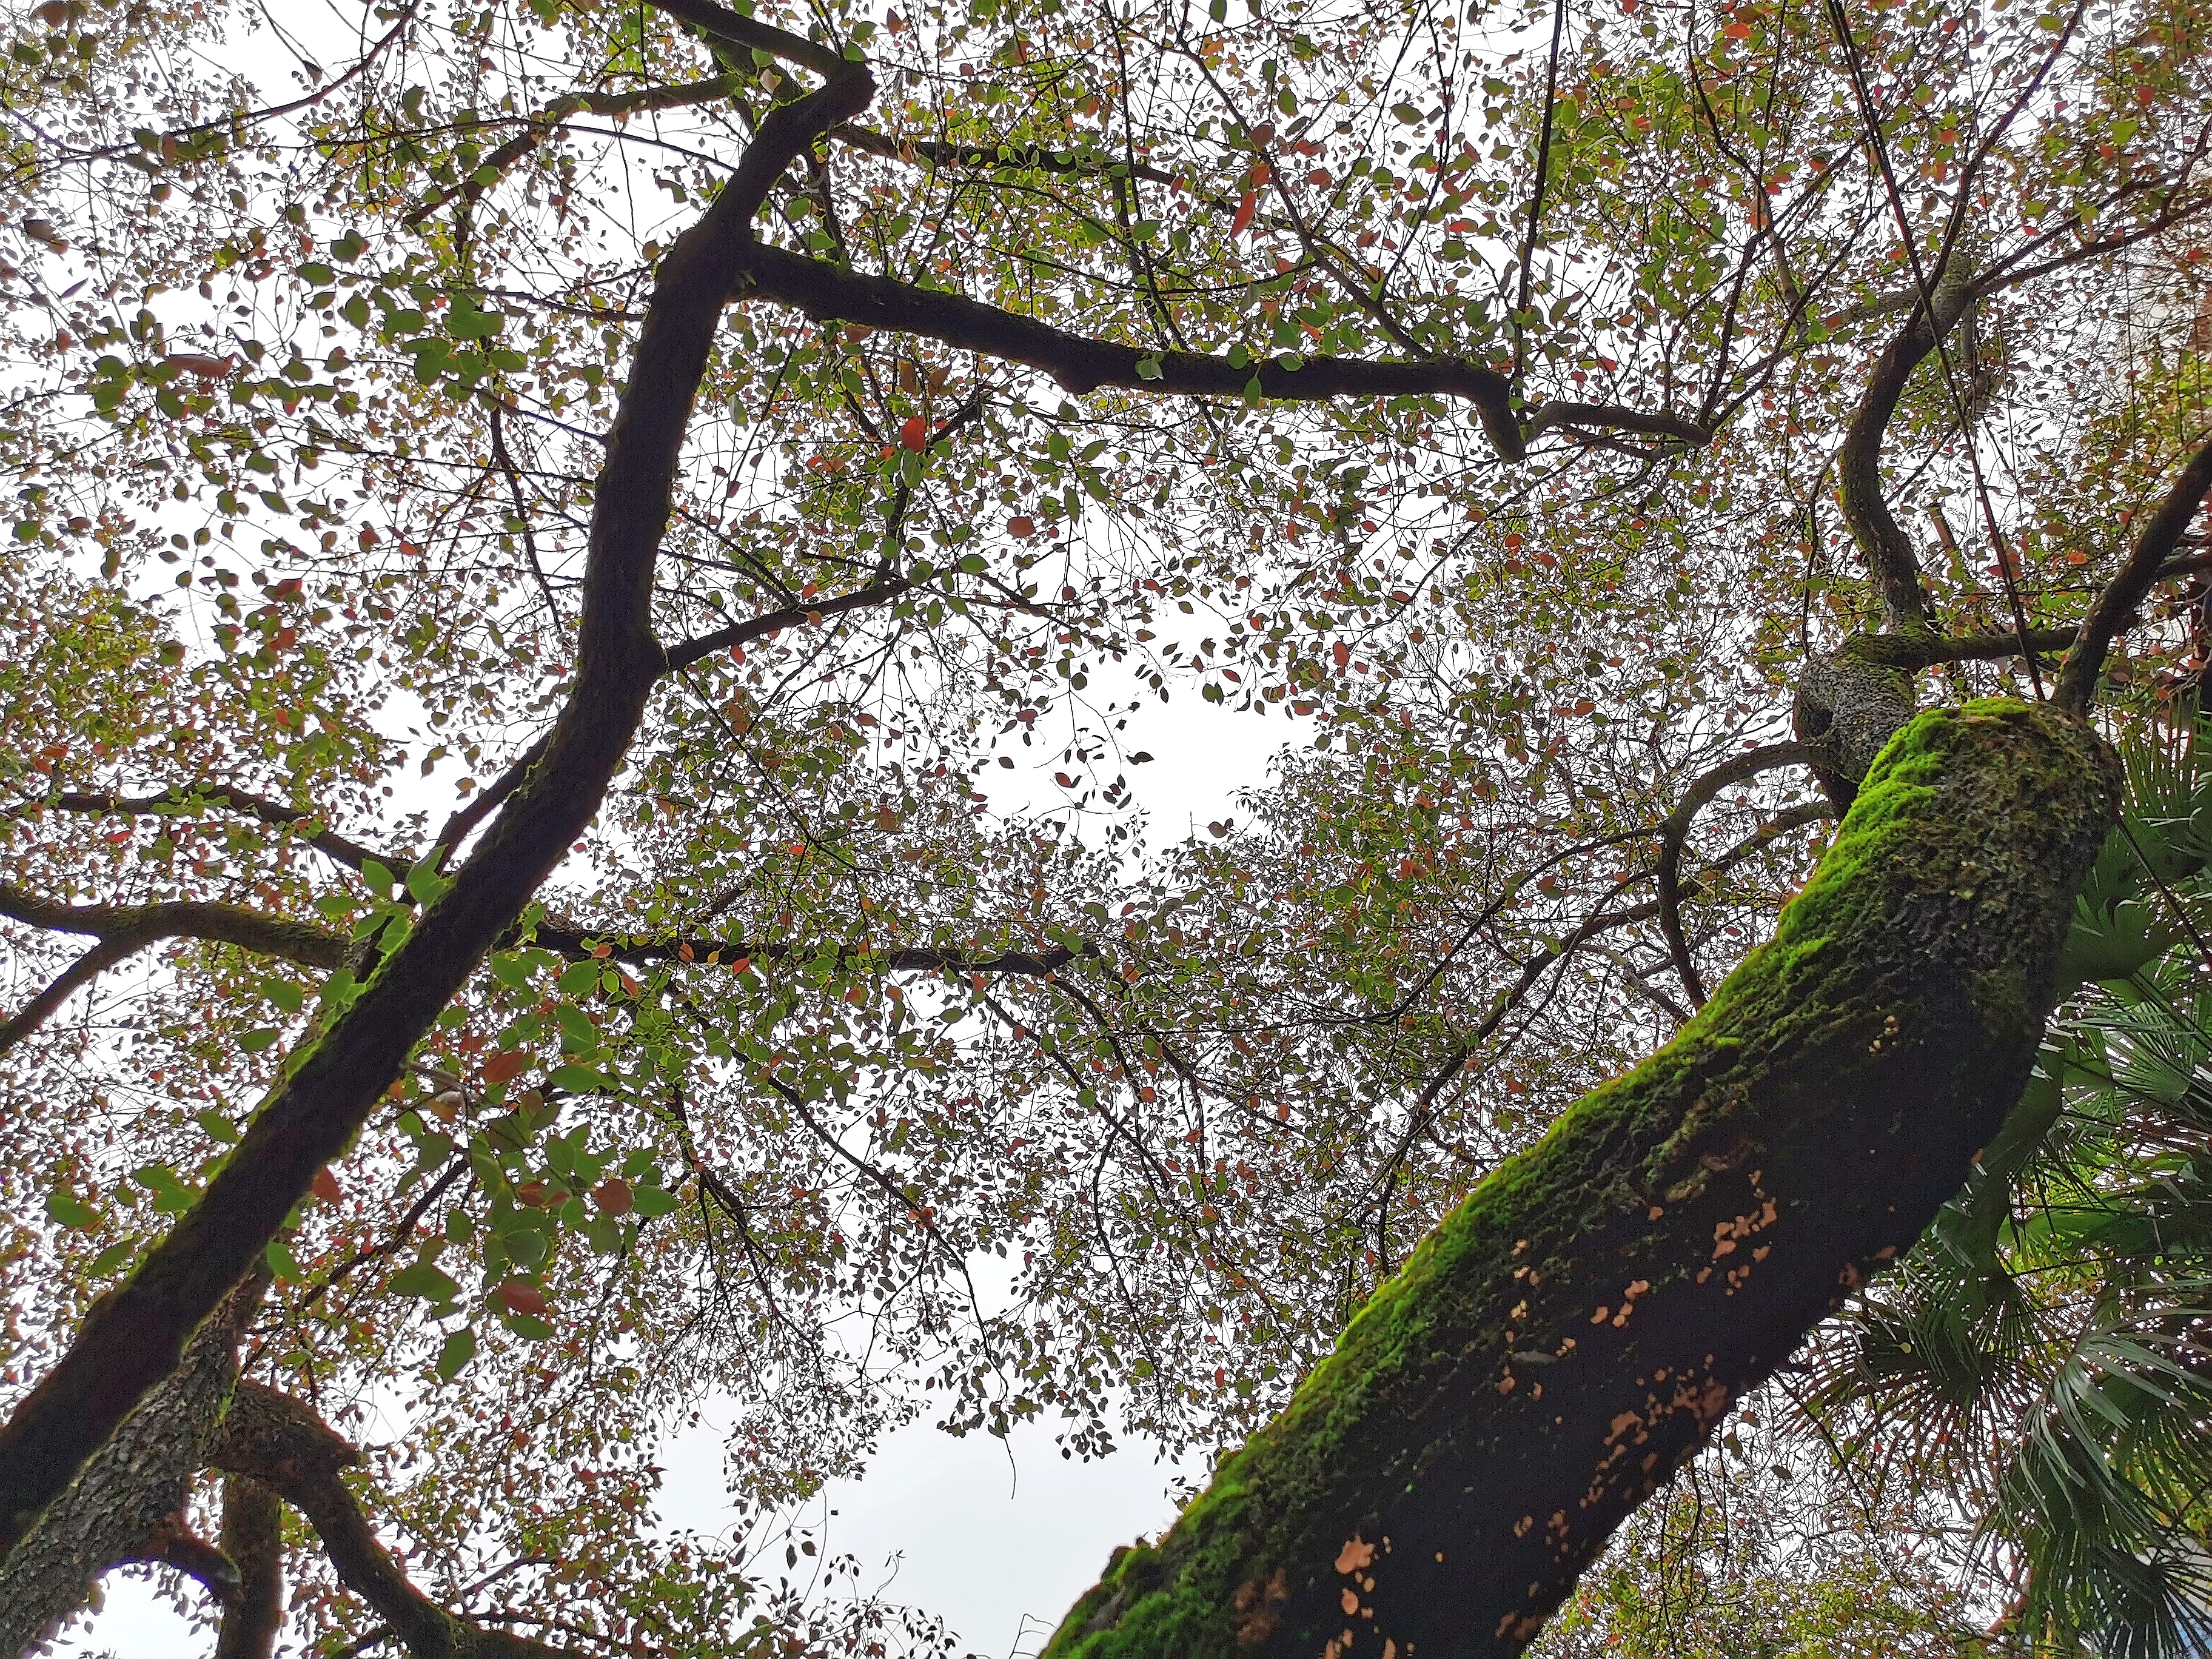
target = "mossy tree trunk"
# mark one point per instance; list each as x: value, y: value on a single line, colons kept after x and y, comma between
x: 1569, y: 1336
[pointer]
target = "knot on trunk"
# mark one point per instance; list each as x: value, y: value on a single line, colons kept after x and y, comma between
x: 1852, y: 703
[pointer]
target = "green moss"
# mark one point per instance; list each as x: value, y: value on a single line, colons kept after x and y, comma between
x: 1989, y: 805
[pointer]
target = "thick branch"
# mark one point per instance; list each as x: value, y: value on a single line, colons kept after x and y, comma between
x: 134, y: 926
x: 1612, y: 417
x: 1570, y: 1335
x: 723, y: 24
x: 1915, y: 650
x: 1082, y: 364
x: 253, y: 1539
x: 124, y: 930
x: 135, y: 1336
x: 127, y: 1504
x: 198, y: 797
x: 274, y: 1440
x: 2085, y: 663
x: 1890, y: 559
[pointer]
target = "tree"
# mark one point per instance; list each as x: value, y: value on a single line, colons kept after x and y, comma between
x: 1467, y: 380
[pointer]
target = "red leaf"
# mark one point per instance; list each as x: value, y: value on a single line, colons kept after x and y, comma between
x: 519, y: 1296
x: 1021, y: 526
x: 1341, y: 651
x: 915, y: 434
x: 614, y: 1196
x: 207, y: 368
x: 1245, y: 209
x: 327, y: 1186
x: 500, y: 1068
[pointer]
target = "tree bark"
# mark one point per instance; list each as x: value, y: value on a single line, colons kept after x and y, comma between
x: 273, y: 1440
x: 253, y: 1538
x: 128, y: 1504
x: 1569, y: 1336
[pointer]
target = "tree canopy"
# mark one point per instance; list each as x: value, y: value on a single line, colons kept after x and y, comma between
x: 541, y: 530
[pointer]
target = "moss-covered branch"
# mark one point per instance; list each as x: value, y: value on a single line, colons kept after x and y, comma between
x: 1567, y: 1339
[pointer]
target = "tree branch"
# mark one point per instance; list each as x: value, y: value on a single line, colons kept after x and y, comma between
x: 457, y: 827
x: 773, y: 621
x: 1599, y: 922
x: 2085, y: 664
x: 1083, y: 365
x: 135, y: 1336
x: 192, y: 797
x: 253, y: 1539
x: 555, y: 115
x: 723, y: 24
x: 1025, y: 158
x: 125, y: 928
x: 1671, y: 833
x: 128, y: 1502
x: 81, y: 972
x: 1568, y: 1338
x: 277, y: 1441
x: 1913, y: 650
x: 572, y: 941
x: 1890, y: 559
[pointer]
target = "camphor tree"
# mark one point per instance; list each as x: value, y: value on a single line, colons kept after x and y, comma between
x: 719, y: 437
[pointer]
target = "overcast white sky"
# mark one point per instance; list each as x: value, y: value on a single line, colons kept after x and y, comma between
x: 997, y: 1537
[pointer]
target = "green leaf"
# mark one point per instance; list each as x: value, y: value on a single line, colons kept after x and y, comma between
x: 254, y: 1041
x: 380, y: 880
x: 70, y: 1211
x: 279, y: 1258
x: 217, y: 1126
x: 578, y: 979
x: 579, y: 1080
x: 460, y: 1348
x: 424, y: 1279
x: 281, y: 991
x: 114, y: 1256
x: 425, y: 885
x: 647, y: 1202
x: 466, y: 322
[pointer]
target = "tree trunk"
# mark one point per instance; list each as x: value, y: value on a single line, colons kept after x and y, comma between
x: 128, y: 1504
x: 253, y: 1538
x: 1569, y: 1336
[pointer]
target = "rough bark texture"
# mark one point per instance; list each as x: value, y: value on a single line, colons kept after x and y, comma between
x: 126, y: 1504
x: 1568, y: 1337
x: 1851, y: 703
x: 253, y: 1538
x: 274, y: 1440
